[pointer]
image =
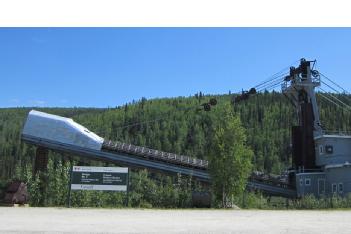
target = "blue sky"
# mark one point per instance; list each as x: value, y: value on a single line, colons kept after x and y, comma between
x: 100, y: 67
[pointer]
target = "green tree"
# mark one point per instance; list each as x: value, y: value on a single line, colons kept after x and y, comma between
x: 230, y: 158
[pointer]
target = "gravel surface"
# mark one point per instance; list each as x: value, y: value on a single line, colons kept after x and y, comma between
x: 63, y: 220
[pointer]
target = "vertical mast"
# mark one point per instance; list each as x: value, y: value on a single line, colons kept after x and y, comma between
x: 299, y: 86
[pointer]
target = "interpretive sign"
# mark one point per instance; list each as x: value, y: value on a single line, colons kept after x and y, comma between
x: 99, y: 178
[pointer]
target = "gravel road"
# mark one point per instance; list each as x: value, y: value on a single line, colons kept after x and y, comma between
x: 63, y: 220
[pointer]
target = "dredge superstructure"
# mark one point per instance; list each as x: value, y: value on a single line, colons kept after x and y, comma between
x: 321, y: 163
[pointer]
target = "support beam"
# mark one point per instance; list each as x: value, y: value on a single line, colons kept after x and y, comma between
x: 41, y: 160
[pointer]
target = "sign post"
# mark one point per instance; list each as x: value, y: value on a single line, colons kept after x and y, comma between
x: 128, y: 181
x: 98, y: 178
x: 69, y: 187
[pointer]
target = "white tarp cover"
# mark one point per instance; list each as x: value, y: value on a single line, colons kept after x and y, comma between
x: 61, y: 129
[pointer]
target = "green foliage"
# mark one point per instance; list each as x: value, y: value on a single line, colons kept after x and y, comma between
x: 143, y: 190
x: 255, y: 200
x: 258, y: 201
x: 169, y: 124
x: 311, y: 202
x: 230, y: 158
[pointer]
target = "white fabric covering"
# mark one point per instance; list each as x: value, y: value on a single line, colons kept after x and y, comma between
x: 57, y: 128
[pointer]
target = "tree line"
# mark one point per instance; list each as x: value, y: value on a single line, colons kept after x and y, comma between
x: 258, y: 129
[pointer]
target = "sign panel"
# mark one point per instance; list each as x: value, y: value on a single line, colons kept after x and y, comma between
x: 99, y: 178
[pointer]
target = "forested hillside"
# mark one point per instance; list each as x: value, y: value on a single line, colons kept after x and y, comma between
x: 170, y: 124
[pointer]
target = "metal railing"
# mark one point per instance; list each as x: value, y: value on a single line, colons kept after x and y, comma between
x: 154, y: 154
x: 315, y: 82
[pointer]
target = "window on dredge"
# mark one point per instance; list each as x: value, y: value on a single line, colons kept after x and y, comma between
x: 329, y: 149
x: 334, y: 187
x: 341, y: 188
x: 321, y: 149
x: 307, y: 181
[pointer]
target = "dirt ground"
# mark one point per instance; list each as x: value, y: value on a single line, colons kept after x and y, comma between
x: 64, y: 220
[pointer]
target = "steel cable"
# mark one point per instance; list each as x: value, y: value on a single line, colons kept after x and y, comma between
x: 278, y: 74
x: 272, y: 84
x: 333, y: 82
x: 344, y: 91
x: 335, y: 98
x: 328, y: 99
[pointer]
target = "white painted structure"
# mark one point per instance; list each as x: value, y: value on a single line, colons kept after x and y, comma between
x: 60, y: 129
